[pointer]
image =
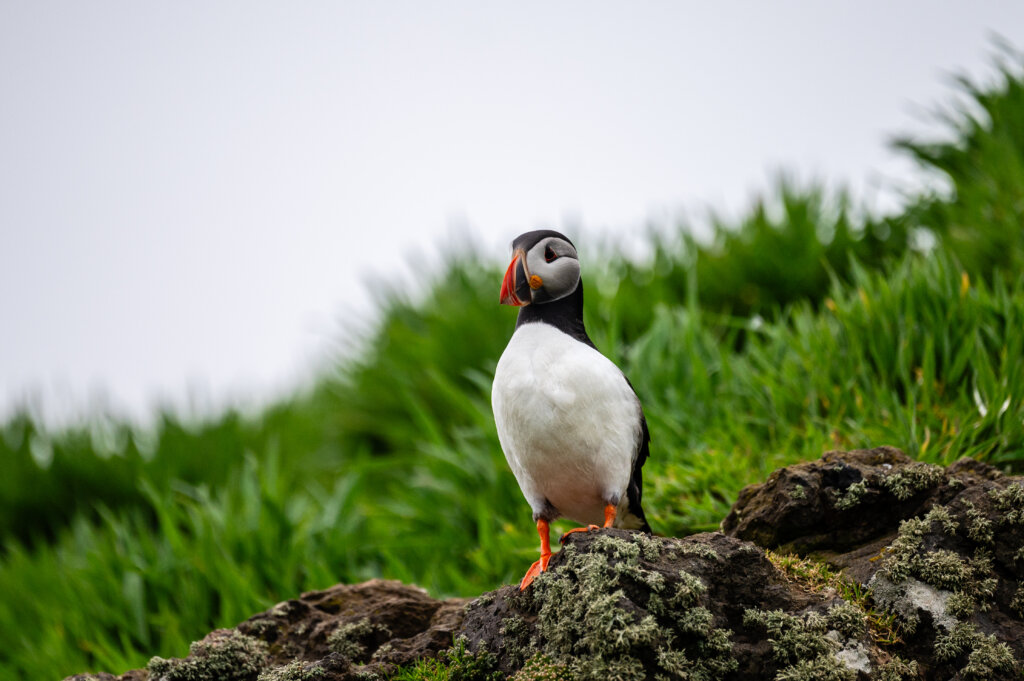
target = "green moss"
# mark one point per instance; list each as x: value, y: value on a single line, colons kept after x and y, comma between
x: 848, y: 619
x: 687, y: 591
x: 626, y: 551
x: 1010, y: 503
x: 943, y: 568
x: 282, y: 609
x: 674, y: 662
x: 516, y: 644
x: 960, y: 605
x: 349, y: 638
x: 983, y: 582
x: 941, y: 515
x: 297, y: 670
x: 542, y: 668
x: 800, y: 644
x: 264, y: 628
x: 792, y: 637
x: 695, y: 621
x: 913, y: 478
x: 852, y: 496
x: 697, y: 549
x: 979, y: 528
x: 984, y: 654
x: 466, y: 666
x: 455, y: 664
x: 649, y: 546
x: 483, y: 599
x: 972, y: 580
x: 363, y: 675
x: 1017, y: 604
x: 903, y: 551
x: 232, y: 657
x: 586, y: 622
x: 897, y: 669
x: 821, y: 668
x: 799, y: 492
x: 654, y: 580
x: 621, y: 669
x: 656, y: 605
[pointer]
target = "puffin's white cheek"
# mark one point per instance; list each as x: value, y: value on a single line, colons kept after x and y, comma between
x: 563, y: 276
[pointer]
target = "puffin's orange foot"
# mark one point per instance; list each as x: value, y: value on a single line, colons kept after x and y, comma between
x: 588, y: 528
x: 538, y: 567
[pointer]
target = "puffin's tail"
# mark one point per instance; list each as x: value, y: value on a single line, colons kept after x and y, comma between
x: 633, y: 518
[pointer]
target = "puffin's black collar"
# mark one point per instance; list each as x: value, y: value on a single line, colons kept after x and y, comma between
x: 565, y: 314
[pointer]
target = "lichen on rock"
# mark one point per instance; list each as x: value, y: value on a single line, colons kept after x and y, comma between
x: 982, y: 654
x: 612, y: 606
x: 852, y: 496
x: 603, y: 610
x: 349, y: 638
x: 913, y: 479
x: 224, y: 655
x: 940, y: 549
x: 296, y: 670
x: 811, y: 646
x: 586, y: 621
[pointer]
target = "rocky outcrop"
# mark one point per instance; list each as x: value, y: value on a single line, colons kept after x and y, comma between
x: 621, y: 605
x: 861, y: 565
x: 344, y: 633
x: 941, y: 550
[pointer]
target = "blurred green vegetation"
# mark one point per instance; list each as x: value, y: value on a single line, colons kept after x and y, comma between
x: 800, y: 328
x: 979, y: 213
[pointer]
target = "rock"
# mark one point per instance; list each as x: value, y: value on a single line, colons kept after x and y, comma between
x: 941, y: 549
x: 621, y: 604
x: 343, y: 633
x: 932, y: 587
x: 932, y: 563
x: 376, y: 623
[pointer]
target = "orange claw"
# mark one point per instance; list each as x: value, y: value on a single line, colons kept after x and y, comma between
x: 588, y: 528
x: 609, y: 519
x: 545, y: 555
x: 538, y: 567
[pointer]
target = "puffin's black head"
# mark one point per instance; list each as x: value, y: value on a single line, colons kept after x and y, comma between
x: 544, y: 268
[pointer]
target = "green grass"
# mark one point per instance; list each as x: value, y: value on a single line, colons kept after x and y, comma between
x: 900, y: 358
x: 980, y: 211
x: 795, y: 331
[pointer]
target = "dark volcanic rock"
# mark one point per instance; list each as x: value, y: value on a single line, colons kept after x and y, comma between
x: 379, y: 622
x: 932, y: 564
x: 344, y: 633
x: 942, y: 549
x: 620, y: 604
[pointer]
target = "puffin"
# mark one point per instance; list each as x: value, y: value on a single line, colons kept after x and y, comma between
x: 568, y: 420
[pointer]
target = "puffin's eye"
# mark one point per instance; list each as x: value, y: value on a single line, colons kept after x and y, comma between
x: 549, y: 254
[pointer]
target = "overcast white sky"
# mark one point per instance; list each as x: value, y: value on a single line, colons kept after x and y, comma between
x: 192, y: 194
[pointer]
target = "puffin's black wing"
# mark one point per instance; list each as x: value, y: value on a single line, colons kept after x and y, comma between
x: 636, y: 480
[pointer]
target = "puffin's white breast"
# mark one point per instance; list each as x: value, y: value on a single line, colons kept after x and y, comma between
x: 567, y: 420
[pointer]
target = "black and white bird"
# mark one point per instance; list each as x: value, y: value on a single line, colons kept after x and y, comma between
x: 569, y: 422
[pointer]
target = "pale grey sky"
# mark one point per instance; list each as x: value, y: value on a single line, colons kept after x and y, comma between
x: 192, y: 193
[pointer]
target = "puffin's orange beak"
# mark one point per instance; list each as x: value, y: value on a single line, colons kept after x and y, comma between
x: 515, y: 287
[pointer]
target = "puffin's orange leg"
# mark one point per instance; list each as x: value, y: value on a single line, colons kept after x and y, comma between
x: 609, y: 515
x: 609, y: 518
x: 545, y: 554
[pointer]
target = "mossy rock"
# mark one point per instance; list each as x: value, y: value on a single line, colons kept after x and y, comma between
x: 616, y: 604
